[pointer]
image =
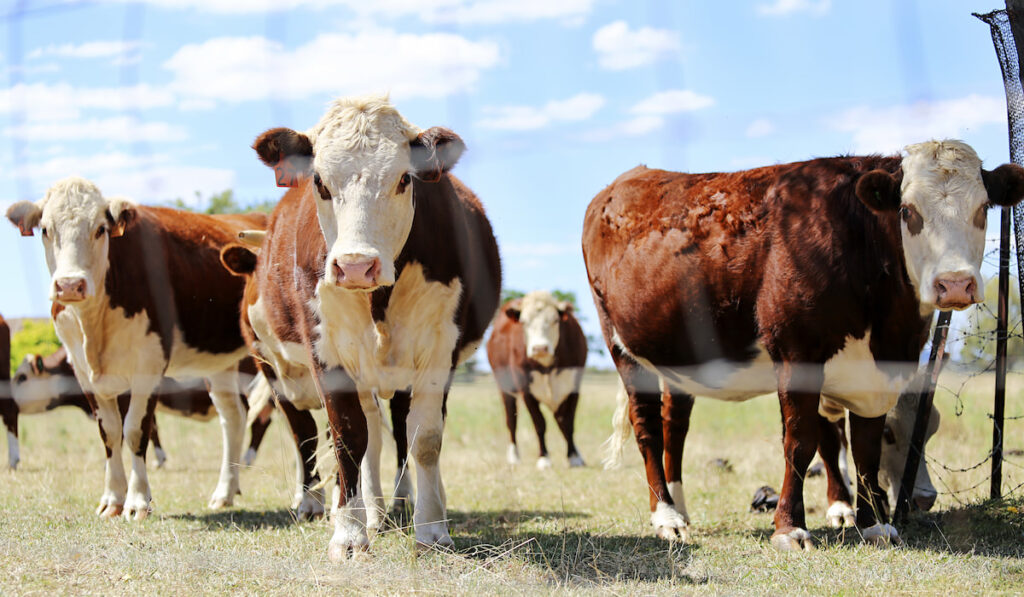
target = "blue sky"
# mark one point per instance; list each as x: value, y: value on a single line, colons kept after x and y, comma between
x: 160, y: 99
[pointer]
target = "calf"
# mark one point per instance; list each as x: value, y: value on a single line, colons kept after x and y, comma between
x: 42, y: 384
x: 389, y: 297
x: 537, y: 349
x: 139, y: 294
x: 817, y: 280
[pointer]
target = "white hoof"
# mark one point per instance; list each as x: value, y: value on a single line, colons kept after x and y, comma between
x: 882, y: 535
x: 512, y: 454
x: 543, y: 463
x: 795, y: 540
x: 840, y: 515
x: 433, y: 536
x: 137, y: 507
x: 342, y: 549
x: 110, y: 506
x: 669, y: 524
x: 161, y: 457
x: 311, y: 506
x: 222, y: 498
x: 575, y: 461
x: 249, y: 457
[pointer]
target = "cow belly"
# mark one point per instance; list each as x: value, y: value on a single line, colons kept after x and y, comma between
x: 195, y: 415
x: 187, y: 362
x: 411, y: 346
x: 856, y: 381
x: 553, y: 388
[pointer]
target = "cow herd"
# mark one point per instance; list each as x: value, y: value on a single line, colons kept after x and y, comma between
x: 378, y: 273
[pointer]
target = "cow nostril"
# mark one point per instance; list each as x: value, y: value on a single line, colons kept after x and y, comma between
x: 940, y: 288
x: 339, y: 273
x: 972, y: 286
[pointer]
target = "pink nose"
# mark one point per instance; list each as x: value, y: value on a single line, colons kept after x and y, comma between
x: 70, y: 290
x: 357, y: 274
x: 955, y: 291
x: 924, y: 501
x: 540, y: 351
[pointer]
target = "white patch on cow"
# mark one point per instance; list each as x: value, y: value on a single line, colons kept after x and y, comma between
x: 34, y: 394
x: 675, y: 490
x: 115, y: 482
x: 668, y: 523
x: 942, y: 181
x: 553, y: 388
x: 468, y: 351
x: 249, y: 457
x: 512, y: 454
x: 289, y: 359
x: 200, y: 416
x: 841, y: 514
x: 160, y: 455
x: 369, y: 474
x: 540, y: 316
x: 13, y: 453
x: 882, y: 535
x: 854, y: 379
x: 224, y: 393
x: 543, y: 463
x: 349, y: 529
x: 795, y: 540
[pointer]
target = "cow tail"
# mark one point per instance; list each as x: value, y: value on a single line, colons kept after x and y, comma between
x: 621, y: 430
x: 259, y: 396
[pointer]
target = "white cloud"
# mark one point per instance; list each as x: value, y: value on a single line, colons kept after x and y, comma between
x: 618, y: 47
x: 672, y: 101
x: 239, y: 69
x: 889, y: 129
x: 578, y: 107
x: 436, y: 11
x: 760, y: 128
x: 118, y: 128
x: 92, y: 49
x: 786, y: 7
x: 61, y: 101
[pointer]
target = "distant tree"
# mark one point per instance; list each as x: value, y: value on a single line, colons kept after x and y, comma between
x: 223, y: 202
x: 35, y: 337
x: 980, y: 335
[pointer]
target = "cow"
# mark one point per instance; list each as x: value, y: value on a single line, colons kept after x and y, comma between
x: 815, y: 279
x: 8, y: 410
x: 537, y: 350
x: 378, y: 275
x: 139, y: 294
x: 43, y: 383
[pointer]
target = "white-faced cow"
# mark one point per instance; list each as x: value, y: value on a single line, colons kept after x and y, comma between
x: 537, y: 349
x: 43, y: 383
x: 138, y: 294
x: 817, y: 280
x: 379, y: 273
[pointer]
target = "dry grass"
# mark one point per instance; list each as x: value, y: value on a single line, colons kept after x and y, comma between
x: 518, y: 531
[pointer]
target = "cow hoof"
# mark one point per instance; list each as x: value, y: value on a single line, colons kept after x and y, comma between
x: 543, y: 463
x: 669, y: 524
x: 882, y: 535
x: 161, y: 457
x: 794, y: 540
x: 110, y: 510
x: 444, y: 543
x: 310, y: 508
x: 512, y: 455
x: 840, y: 515
x: 341, y: 552
x: 136, y: 507
x: 401, y: 511
x: 433, y: 535
x: 218, y: 502
x: 575, y: 461
x: 249, y: 457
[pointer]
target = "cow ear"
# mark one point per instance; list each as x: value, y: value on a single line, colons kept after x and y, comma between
x: 120, y: 213
x: 880, y: 190
x: 512, y: 312
x: 434, y: 152
x: 36, y: 363
x: 288, y: 152
x: 240, y: 260
x: 565, y: 310
x: 1005, y: 184
x: 25, y: 215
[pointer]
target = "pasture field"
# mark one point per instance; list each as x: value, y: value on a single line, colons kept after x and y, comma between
x: 517, y: 531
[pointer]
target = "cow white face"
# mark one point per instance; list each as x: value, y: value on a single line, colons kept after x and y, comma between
x: 34, y: 386
x: 362, y: 157
x: 942, y: 196
x: 541, y: 316
x: 76, y: 223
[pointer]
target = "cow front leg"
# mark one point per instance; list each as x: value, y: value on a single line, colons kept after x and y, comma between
x: 402, y: 501
x: 872, y: 502
x: 426, y: 428
x: 676, y: 408
x: 108, y: 419
x: 138, y: 421
x: 565, y: 417
x: 540, y: 426
x: 225, y: 396
x: 158, y: 449
x: 830, y: 447
x: 508, y: 400
x: 257, y: 430
x: 373, y: 494
x: 799, y: 394
x: 9, y: 413
x: 349, y: 438
x: 309, y: 502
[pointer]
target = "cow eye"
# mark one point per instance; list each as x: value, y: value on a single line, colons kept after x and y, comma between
x: 20, y: 378
x: 403, y: 183
x: 912, y: 218
x: 45, y: 233
x: 101, y: 231
x: 981, y: 216
x: 320, y: 188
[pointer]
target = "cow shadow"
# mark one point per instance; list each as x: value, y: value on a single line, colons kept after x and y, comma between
x: 241, y: 520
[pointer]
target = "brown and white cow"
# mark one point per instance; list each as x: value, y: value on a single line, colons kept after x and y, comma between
x: 537, y: 350
x: 379, y: 273
x: 816, y: 279
x: 139, y: 294
x: 43, y: 383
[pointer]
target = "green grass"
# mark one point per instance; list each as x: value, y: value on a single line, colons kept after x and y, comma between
x: 517, y: 531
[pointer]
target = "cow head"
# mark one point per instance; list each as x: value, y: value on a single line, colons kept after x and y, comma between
x: 37, y: 382
x: 942, y: 196
x: 76, y: 222
x: 541, y: 316
x: 362, y: 157
x: 899, y: 427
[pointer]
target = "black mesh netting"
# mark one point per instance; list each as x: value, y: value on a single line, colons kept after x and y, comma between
x: 999, y: 22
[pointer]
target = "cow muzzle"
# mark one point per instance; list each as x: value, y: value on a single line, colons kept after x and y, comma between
x: 357, y: 273
x: 70, y: 290
x: 541, y: 353
x: 955, y: 291
x: 924, y: 500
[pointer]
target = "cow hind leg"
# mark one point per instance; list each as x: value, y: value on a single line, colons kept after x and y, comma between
x: 9, y: 413
x: 565, y: 417
x: 225, y: 396
x: 309, y: 502
x: 402, y: 501
x: 872, y: 502
x: 676, y: 408
x: 508, y: 400
x: 138, y: 421
x: 115, y: 484
x: 540, y: 425
x: 257, y: 431
x: 840, y: 511
x: 158, y: 449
